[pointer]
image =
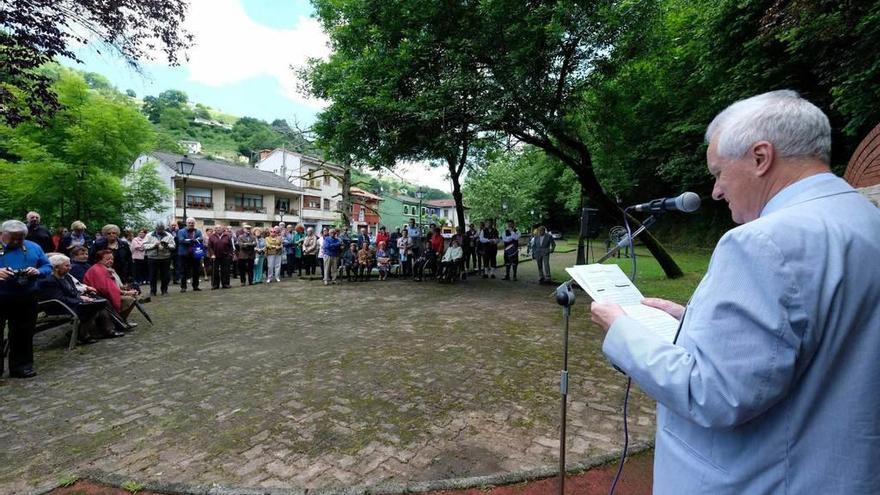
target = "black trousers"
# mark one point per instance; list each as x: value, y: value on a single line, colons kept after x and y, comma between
x: 220, y: 276
x: 291, y: 264
x: 490, y: 257
x: 189, y: 268
x: 309, y: 261
x: 141, y: 272
x: 246, y: 270
x: 21, y: 313
x: 470, y: 259
x: 159, y: 269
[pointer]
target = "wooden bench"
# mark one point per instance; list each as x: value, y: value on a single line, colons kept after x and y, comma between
x: 46, y: 321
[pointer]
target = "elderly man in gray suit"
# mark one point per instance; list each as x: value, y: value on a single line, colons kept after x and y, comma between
x: 541, y: 246
x: 772, y: 384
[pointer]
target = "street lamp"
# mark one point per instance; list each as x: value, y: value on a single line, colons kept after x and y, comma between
x: 504, y: 207
x: 185, y: 168
x: 420, y: 194
x: 281, y: 212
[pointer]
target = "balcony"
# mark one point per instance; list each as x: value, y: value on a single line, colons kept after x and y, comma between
x: 196, y: 202
x: 245, y: 208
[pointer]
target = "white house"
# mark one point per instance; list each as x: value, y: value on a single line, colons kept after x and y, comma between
x: 191, y: 147
x: 445, y: 208
x: 225, y: 193
x: 320, y: 182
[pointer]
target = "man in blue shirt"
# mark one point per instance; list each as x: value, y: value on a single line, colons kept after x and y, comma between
x: 772, y: 385
x: 21, y: 263
x: 332, y: 249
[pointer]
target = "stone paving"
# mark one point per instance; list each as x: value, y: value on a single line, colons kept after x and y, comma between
x: 302, y: 385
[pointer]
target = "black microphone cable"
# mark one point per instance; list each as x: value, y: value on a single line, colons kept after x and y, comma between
x: 632, y: 277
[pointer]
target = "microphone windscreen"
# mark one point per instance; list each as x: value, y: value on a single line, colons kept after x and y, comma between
x: 688, y: 202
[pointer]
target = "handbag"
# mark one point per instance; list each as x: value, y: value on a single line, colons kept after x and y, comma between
x: 198, y: 251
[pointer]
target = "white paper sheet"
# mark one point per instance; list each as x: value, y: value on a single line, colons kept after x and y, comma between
x: 608, y: 283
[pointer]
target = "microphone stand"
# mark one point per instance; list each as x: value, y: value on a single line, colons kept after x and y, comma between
x: 650, y: 221
x: 565, y: 297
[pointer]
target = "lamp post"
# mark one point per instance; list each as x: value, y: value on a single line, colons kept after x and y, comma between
x: 185, y: 168
x: 281, y: 212
x: 420, y: 194
x: 504, y: 206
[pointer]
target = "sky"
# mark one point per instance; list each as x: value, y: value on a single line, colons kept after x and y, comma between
x: 241, y: 64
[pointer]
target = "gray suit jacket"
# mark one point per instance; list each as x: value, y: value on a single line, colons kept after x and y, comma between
x: 542, y: 245
x: 774, y: 383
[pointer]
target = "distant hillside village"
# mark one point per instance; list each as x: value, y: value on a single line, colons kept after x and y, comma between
x: 282, y: 186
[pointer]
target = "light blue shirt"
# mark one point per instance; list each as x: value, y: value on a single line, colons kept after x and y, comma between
x: 774, y: 383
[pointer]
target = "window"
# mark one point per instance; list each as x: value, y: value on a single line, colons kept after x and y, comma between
x: 315, y: 184
x: 198, y: 197
x: 327, y: 204
x: 208, y: 221
x: 361, y: 215
x: 312, y: 202
x: 424, y: 211
x: 282, y: 204
x: 248, y: 202
x: 405, y: 210
x: 326, y: 179
x: 235, y: 223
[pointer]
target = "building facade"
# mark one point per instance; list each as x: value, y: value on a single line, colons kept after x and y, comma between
x: 319, y: 181
x: 365, y: 211
x: 223, y: 193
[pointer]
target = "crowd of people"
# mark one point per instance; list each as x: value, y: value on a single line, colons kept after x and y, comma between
x: 102, y: 277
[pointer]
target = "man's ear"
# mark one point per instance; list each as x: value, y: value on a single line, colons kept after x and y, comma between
x: 763, y: 155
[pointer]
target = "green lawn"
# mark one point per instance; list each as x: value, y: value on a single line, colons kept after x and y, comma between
x: 650, y: 277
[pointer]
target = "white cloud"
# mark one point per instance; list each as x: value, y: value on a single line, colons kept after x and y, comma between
x: 230, y: 47
x: 421, y: 174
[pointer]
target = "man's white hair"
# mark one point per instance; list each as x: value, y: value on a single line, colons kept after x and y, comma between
x: 190, y: 219
x: 58, y: 259
x: 794, y: 126
x: 14, y: 227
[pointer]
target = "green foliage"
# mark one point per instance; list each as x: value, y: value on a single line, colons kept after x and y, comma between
x: 535, y: 187
x: 144, y: 191
x: 252, y: 135
x: 72, y: 167
x: 132, y: 486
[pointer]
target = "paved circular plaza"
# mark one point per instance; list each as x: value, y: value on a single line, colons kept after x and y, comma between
x: 305, y: 386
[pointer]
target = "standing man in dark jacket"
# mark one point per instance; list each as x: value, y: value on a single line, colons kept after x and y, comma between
x: 220, y: 250
x: 21, y: 262
x: 245, y: 248
x: 38, y: 233
x: 187, y: 239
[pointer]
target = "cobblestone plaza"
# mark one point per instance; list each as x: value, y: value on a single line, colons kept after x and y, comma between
x: 305, y: 386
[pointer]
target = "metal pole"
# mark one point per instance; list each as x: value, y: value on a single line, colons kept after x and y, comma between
x: 563, y: 388
x: 184, y: 198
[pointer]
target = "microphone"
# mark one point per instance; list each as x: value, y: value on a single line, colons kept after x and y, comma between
x: 686, y: 202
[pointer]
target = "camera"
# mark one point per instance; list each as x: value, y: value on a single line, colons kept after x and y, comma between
x: 20, y: 277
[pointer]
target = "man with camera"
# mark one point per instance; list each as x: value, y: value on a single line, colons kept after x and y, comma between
x: 21, y: 263
x: 159, y: 247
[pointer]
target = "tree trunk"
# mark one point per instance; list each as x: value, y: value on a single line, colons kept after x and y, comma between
x: 591, y: 185
x: 345, y: 208
x: 582, y: 165
x: 455, y: 176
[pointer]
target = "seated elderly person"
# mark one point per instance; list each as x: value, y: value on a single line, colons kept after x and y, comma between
x: 79, y: 262
x: 107, y: 284
x: 451, y: 260
x: 350, y: 261
x: 365, y: 262
x: 91, y: 311
x: 122, y: 261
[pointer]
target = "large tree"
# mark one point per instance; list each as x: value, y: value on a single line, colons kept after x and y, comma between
x: 34, y: 32
x: 433, y: 76
x: 71, y: 166
x: 404, y: 85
